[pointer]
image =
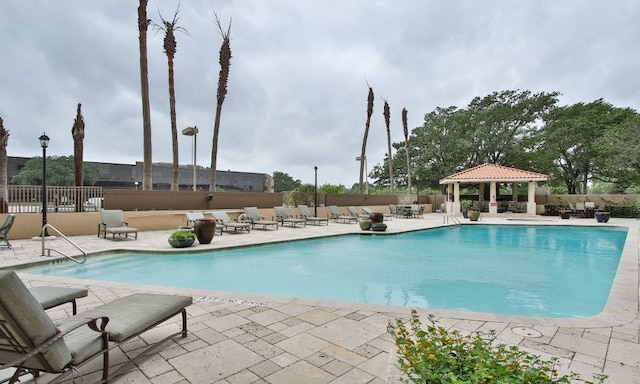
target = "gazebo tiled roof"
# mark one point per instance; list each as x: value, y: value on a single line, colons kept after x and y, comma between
x: 491, y: 172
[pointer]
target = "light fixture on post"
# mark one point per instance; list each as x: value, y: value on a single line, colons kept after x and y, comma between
x: 315, y: 192
x: 366, y: 175
x: 192, y: 131
x: 44, y: 143
x: 136, y: 184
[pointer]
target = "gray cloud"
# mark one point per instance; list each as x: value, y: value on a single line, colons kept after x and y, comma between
x: 297, y: 87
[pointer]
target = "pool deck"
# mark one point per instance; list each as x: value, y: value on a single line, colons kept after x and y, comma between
x: 243, y: 338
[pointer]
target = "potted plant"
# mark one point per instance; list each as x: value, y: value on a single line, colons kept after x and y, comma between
x: 474, y: 215
x: 182, y: 238
x: 465, y: 205
x: 377, y: 219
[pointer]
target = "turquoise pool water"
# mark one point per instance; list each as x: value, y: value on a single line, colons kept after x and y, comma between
x: 547, y: 271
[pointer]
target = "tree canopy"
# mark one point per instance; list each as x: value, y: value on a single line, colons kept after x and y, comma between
x: 59, y: 172
x: 575, y: 144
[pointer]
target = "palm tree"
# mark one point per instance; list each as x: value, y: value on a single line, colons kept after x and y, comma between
x: 147, y: 165
x: 405, y: 128
x: 4, y: 192
x: 364, y: 139
x: 170, y: 47
x: 387, y: 121
x: 223, y: 78
x: 77, y: 131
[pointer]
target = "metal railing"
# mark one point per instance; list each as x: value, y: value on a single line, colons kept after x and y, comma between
x: 448, y: 216
x: 48, y: 250
x: 28, y: 198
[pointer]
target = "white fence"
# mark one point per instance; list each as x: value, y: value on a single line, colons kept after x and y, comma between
x: 28, y: 198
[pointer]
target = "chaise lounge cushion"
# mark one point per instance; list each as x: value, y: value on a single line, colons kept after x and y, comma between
x: 131, y: 315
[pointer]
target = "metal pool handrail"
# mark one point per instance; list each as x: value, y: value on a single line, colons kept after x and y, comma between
x: 42, y: 233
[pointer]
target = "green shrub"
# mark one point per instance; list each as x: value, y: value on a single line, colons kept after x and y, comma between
x: 553, y: 209
x: 182, y: 234
x: 436, y: 355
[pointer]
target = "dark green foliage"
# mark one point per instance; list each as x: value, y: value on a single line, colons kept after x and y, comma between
x: 60, y: 171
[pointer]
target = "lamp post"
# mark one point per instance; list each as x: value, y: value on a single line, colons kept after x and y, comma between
x: 192, y: 131
x: 44, y: 143
x: 366, y: 175
x: 136, y: 184
x: 315, y: 192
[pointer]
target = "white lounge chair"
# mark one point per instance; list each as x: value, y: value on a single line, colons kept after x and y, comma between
x: 284, y: 218
x: 258, y: 221
x: 226, y: 224
x: 112, y: 221
x: 311, y: 219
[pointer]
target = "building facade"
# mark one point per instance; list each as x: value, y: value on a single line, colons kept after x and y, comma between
x: 128, y: 176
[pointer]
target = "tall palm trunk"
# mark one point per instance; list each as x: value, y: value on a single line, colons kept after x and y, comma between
x: 170, y: 47
x: 77, y: 131
x: 4, y: 192
x: 363, y: 157
x: 387, y: 121
x: 223, y: 78
x: 147, y: 165
x: 405, y: 128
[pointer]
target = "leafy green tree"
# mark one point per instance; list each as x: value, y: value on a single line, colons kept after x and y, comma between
x: 60, y: 172
x: 620, y: 147
x: 305, y: 194
x: 576, y: 134
x: 332, y: 188
x: 283, y: 182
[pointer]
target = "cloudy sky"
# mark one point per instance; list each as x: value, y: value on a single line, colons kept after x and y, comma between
x: 298, y: 81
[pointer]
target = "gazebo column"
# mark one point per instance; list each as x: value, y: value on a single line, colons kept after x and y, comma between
x: 514, y: 193
x: 449, y: 200
x: 456, y: 198
x: 493, y: 203
x: 531, y: 198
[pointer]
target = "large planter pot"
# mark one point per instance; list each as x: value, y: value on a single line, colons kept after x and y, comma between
x: 565, y: 214
x: 205, y: 229
x: 181, y: 242
x: 365, y: 224
x: 602, y: 217
x: 465, y: 213
x: 473, y: 215
x: 376, y: 217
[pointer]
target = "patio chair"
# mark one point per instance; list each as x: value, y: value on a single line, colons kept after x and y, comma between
x: 112, y: 221
x: 338, y: 217
x: 4, y: 231
x: 581, y: 210
x: 417, y: 211
x: 258, y: 221
x: 305, y: 213
x: 226, y: 224
x: 33, y: 344
x: 284, y: 218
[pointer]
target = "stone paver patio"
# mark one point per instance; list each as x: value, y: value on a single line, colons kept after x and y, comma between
x: 242, y: 338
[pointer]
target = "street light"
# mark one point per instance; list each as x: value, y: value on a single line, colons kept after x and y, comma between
x: 44, y: 143
x: 366, y: 176
x: 315, y: 192
x: 192, y: 131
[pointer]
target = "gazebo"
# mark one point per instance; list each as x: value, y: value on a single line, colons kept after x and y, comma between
x: 492, y: 174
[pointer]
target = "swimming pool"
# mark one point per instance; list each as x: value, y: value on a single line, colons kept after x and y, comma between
x: 551, y: 271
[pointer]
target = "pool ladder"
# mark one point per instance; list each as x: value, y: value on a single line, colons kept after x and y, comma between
x: 448, y: 216
x: 48, y: 250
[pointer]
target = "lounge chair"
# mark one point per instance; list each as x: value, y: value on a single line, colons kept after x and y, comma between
x: 4, y: 231
x: 305, y: 213
x: 338, y: 217
x: 226, y: 224
x: 284, y: 218
x: 113, y: 223
x: 258, y: 221
x: 50, y: 297
x: 355, y: 213
x: 368, y: 211
x: 581, y: 210
x: 32, y: 343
